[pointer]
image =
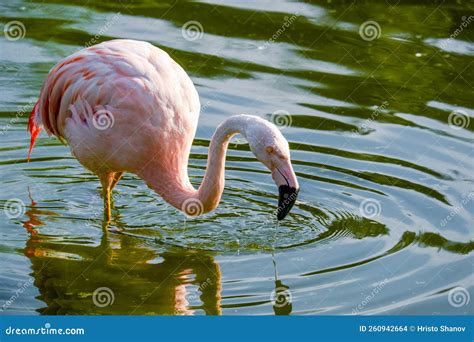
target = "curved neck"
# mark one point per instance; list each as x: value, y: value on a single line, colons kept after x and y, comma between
x: 174, y: 185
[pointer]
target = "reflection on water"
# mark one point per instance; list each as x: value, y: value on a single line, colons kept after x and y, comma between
x: 381, y: 133
x: 67, y: 275
x: 281, y: 295
x: 84, y: 279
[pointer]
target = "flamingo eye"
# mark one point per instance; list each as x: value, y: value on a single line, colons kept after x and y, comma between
x: 269, y: 149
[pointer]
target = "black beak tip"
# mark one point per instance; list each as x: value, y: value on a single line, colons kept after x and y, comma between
x: 286, y: 200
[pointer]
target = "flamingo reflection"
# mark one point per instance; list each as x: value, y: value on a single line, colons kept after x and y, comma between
x: 140, y: 278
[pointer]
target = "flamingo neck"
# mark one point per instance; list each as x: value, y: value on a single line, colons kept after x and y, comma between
x: 174, y: 185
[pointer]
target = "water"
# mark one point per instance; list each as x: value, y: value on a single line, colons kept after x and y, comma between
x: 381, y: 133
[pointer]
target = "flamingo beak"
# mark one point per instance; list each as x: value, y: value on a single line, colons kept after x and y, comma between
x: 288, y: 188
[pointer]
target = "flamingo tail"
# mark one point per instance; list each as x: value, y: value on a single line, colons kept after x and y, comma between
x: 33, y: 128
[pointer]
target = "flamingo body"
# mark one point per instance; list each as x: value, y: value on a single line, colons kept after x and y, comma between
x: 117, y: 104
x: 126, y: 106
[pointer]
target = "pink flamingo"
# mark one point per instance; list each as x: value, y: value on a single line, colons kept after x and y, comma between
x: 126, y: 106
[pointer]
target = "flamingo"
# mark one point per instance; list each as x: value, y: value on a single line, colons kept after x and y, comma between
x: 127, y: 106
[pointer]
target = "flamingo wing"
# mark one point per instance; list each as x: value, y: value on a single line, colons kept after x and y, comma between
x: 134, y: 81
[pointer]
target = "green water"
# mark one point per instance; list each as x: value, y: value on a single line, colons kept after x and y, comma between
x: 381, y: 133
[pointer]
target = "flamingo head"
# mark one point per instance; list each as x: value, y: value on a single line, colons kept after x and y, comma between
x: 272, y: 149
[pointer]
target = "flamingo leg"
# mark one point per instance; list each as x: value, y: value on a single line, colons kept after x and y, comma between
x: 117, y: 177
x: 107, y: 180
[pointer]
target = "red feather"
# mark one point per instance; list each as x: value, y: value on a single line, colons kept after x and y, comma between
x: 33, y: 128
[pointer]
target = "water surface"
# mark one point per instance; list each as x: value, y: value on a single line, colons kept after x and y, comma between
x: 381, y: 133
